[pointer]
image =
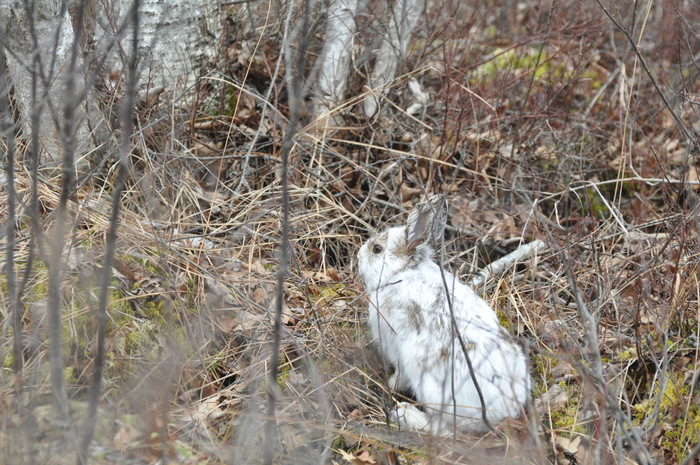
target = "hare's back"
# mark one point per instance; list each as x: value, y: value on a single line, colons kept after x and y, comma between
x: 424, y: 287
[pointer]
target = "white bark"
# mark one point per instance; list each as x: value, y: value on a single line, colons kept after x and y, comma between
x: 172, y: 41
x: 333, y: 73
x: 420, y: 98
x: 54, y: 36
x: 403, y: 20
x: 174, y: 36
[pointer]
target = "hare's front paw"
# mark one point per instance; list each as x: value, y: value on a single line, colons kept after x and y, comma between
x: 398, y: 383
x: 392, y: 381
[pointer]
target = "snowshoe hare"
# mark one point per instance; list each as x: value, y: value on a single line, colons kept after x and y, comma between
x: 413, y: 327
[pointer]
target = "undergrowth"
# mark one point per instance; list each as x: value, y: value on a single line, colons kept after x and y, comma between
x: 566, y: 141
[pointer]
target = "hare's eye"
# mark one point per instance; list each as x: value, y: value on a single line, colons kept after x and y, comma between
x: 377, y: 248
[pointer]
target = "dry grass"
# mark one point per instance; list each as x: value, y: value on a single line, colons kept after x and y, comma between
x: 579, y: 153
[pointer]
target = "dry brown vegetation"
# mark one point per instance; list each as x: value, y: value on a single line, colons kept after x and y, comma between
x: 568, y: 142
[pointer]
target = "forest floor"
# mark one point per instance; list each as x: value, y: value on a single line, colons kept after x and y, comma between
x: 569, y: 143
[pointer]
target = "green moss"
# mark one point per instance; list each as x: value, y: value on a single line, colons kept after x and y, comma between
x: 684, y: 436
x: 283, y: 376
x: 147, y: 263
x: 522, y: 59
x: 541, y: 373
x: 339, y: 443
x: 505, y: 321
x: 133, y: 420
x: 566, y: 419
x: 155, y: 310
x: 594, y: 77
x: 232, y: 101
x: 138, y: 339
x: 594, y: 204
x: 117, y: 305
x: 629, y: 354
x: 39, y: 287
x: 674, y: 390
x: 182, y: 451
x: 491, y: 32
x: 70, y: 375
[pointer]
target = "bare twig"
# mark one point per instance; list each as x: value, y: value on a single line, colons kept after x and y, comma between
x: 295, y: 90
x: 687, y: 135
x: 532, y: 78
x: 59, y: 234
x: 101, y: 315
x: 273, y: 80
x: 690, y: 458
x: 7, y: 133
x: 455, y: 328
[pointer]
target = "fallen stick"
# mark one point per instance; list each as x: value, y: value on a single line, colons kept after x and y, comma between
x: 497, y: 267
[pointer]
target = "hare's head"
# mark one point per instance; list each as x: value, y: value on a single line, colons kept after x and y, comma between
x: 395, y: 249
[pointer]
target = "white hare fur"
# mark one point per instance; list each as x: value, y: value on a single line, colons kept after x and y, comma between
x: 409, y: 315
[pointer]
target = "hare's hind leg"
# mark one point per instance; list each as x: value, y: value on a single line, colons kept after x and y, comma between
x: 411, y: 418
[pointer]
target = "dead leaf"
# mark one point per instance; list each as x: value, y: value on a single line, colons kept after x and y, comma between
x: 148, y: 97
x: 245, y: 53
x: 247, y: 321
x: 350, y: 440
x: 244, y: 114
x: 567, y: 445
x: 255, y: 267
x: 318, y: 276
x: 469, y: 212
x: 555, y: 398
x: 334, y: 274
x: 288, y: 320
x: 671, y: 146
x: 355, y: 415
x: 679, y: 157
x: 293, y: 436
x: 365, y: 457
x: 203, y: 148
x: 562, y: 370
x: 409, y: 193
x: 290, y: 315
x: 122, y: 267
x: 296, y: 378
x: 546, y: 153
x: 126, y: 436
x: 492, y: 136
x: 259, y: 296
x: 361, y: 458
x: 205, y: 125
x: 226, y: 323
x: 506, y: 150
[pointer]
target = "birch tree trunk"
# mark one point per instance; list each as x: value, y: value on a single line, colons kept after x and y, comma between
x: 175, y: 36
x: 333, y: 73
x: 335, y: 58
x: 39, y: 48
x: 405, y: 14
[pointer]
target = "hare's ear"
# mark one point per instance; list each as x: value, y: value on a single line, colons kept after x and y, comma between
x: 425, y: 222
x: 439, y: 203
